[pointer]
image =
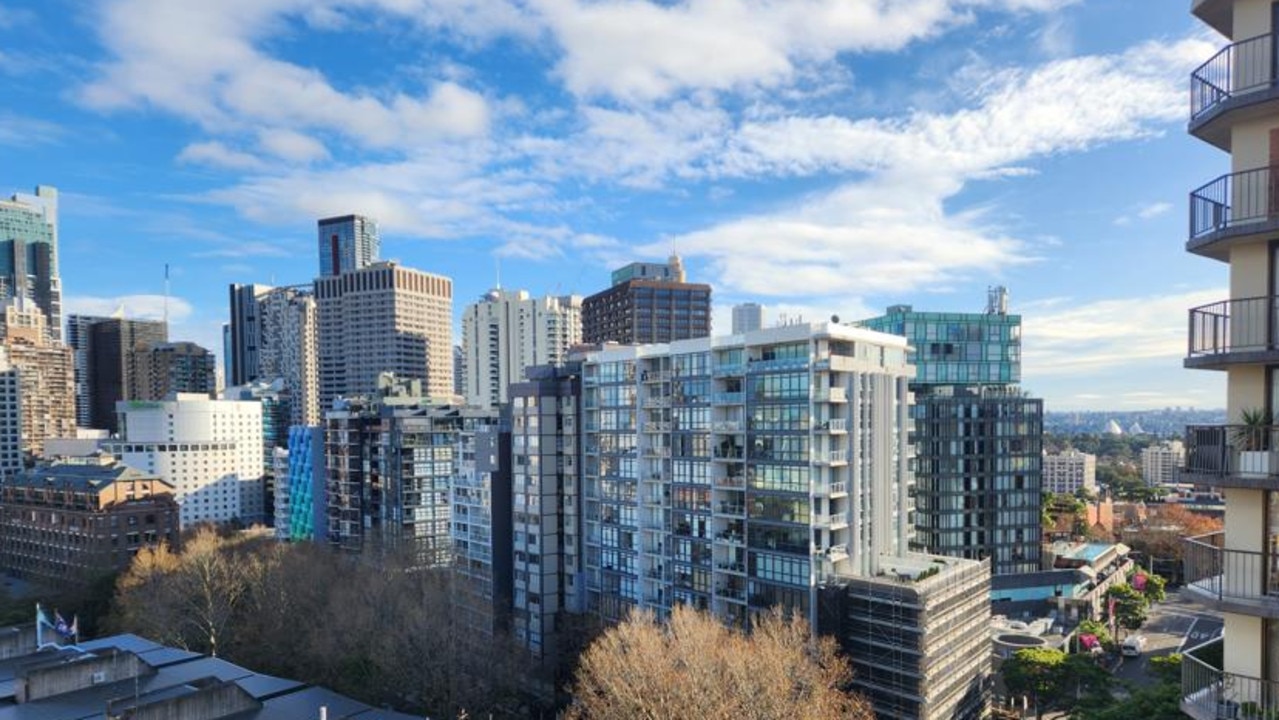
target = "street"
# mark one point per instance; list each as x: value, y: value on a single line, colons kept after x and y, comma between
x: 1175, y: 625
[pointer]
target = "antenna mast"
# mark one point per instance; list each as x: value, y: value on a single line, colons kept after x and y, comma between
x: 166, y: 297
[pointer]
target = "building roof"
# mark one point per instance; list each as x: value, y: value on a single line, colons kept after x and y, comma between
x: 172, y: 677
x: 86, y: 477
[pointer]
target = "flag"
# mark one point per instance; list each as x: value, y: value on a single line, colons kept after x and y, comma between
x: 75, y: 627
x: 42, y: 622
x: 1139, y: 582
x: 61, y: 625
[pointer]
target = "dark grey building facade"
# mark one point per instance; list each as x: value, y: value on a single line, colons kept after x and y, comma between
x: 647, y: 306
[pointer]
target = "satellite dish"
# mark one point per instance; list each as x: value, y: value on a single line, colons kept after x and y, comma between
x: 834, y: 319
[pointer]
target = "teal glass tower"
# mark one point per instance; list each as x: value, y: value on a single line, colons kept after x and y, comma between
x: 29, y: 256
x: 978, y: 437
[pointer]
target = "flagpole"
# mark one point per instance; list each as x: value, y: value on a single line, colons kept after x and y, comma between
x: 39, y: 629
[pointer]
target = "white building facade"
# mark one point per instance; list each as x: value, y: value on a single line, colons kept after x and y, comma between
x: 507, y: 332
x: 209, y: 450
x: 1161, y: 464
x: 738, y: 473
x: 1069, y: 472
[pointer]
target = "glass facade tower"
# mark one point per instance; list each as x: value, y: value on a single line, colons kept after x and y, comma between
x: 347, y: 243
x: 29, y: 256
x: 978, y: 437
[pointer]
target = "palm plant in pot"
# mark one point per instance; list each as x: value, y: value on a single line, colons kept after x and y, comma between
x: 1252, y: 439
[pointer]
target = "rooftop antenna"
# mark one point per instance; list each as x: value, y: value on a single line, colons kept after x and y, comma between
x: 497, y: 263
x: 166, y: 295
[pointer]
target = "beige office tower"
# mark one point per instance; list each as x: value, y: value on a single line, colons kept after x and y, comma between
x: 1234, y: 219
x: 46, y: 378
x: 384, y: 318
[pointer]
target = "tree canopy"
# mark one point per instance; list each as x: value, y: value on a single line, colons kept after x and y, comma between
x: 694, y: 667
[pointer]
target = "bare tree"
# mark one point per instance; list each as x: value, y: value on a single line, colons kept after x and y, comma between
x: 695, y: 667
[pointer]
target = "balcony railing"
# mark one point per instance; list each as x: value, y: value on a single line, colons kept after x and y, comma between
x: 1229, y: 575
x: 1244, y: 67
x: 1232, y: 452
x: 1208, y: 693
x: 1234, y: 200
x: 1245, y: 325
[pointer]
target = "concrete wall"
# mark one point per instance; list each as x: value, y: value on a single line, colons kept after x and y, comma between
x: 1244, y: 638
x: 62, y: 679
x: 210, y: 703
x: 1252, y: 18
x: 17, y: 641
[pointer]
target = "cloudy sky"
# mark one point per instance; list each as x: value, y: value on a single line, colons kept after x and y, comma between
x: 817, y: 156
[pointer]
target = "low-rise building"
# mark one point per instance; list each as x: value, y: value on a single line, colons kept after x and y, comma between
x: 1066, y: 473
x: 74, y: 520
x: 1074, y: 585
x: 917, y: 635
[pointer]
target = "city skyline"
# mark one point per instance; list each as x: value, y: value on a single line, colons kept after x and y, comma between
x: 835, y: 162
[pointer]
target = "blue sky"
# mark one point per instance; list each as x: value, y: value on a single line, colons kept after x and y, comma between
x: 817, y: 156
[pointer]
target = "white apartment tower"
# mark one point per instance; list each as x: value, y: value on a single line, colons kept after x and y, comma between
x: 1161, y: 464
x: 1069, y: 472
x: 288, y: 349
x: 507, y: 332
x: 384, y: 318
x: 741, y: 472
x: 1234, y: 219
x: 209, y: 450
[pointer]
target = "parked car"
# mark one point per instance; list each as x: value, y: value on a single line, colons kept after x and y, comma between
x: 1133, y: 646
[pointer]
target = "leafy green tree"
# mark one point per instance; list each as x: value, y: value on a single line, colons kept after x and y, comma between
x: 1130, y: 606
x: 1036, y: 673
x: 1153, y: 587
x: 1099, y: 629
x: 1160, y: 701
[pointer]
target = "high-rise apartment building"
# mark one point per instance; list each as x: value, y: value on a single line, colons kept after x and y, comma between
x: 979, y: 438
x: 174, y: 367
x: 1161, y: 463
x: 114, y: 374
x: 379, y: 319
x: 1234, y: 219
x: 1066, y: 473
x: 245, y: 333
x: 29, y: 256
x: 347, y: 243
x: 391, y: 461
x: 747, y: 317
x: 11, y: 458
x: 738, y: 473
x: 546, y: 463
x: 46, y: 378
x: 209, y: 450
x: 481, y: 527
x: 80, y: 340
x: 507, y: 332
x: 648, y: 303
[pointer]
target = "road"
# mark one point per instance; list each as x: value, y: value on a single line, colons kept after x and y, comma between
x: 1175, y: 625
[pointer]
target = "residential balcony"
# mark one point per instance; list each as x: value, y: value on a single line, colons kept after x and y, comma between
x: 1232, y: 332
x: 1241, y: 456
x: 831, y: 395
x: 730, y: 370
x: 1236, y: 84
x: 1237, y: 581
x: 1211, y: 694
x: 1241, y: 206
x: 830, y: 457
x: 834, y: 426
x: 1217, y: 14
x: 728, y: 398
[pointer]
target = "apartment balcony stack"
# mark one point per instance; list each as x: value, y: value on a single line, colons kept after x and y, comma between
x: 1234, y: 218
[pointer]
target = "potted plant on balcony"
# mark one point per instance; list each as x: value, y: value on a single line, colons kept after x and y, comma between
x: 1252, y: 438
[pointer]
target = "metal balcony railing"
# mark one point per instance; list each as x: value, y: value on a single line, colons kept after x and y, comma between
x: 1244, y: 67
x: 1225, y: 451
x: 1224, y: 574
x: 1207, y: 692
x: 1234, y: 326
x: 1248, y: 196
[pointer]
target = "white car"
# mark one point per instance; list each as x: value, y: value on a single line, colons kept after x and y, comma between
x: 1133, y: 646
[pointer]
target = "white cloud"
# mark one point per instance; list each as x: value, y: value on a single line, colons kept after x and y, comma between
x: 217, y: 154
x: 1144, y: 212
x: 725, y: 45
x: 292, y: 146
x: 1114, y: 333
x: 20, y: 130
x: 202, y: 61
